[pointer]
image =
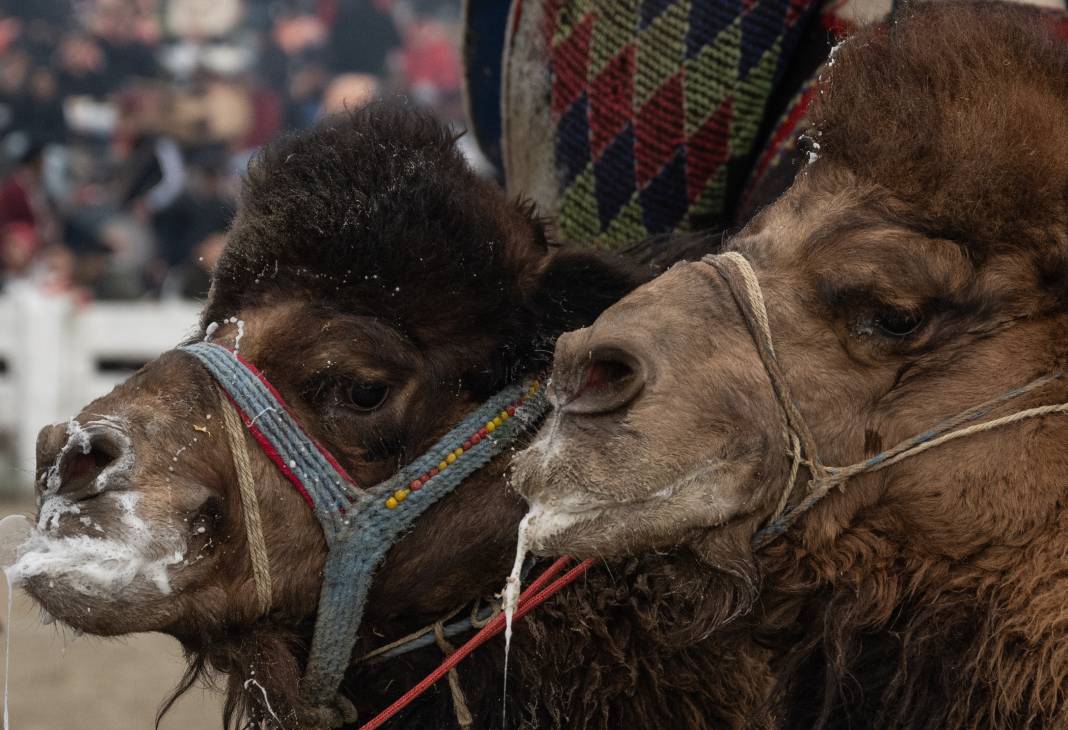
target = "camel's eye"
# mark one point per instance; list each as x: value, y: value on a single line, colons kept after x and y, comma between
x: 897, y: 323
x: 367, y: 396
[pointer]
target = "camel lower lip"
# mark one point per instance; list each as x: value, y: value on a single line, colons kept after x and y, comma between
x: 550, y: 521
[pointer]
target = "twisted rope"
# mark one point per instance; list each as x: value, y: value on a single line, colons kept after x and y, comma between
x: 250, y: 504
x: 742, y: 281
x: 408, y: 638
x: 795, y: 466
x: 459, y: 702
x: 479, y: 621
x: 747, y: 293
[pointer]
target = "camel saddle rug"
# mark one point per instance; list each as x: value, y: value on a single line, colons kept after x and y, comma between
x: 627, y: 119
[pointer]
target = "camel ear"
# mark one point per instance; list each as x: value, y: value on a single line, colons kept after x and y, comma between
x: 576, y: 285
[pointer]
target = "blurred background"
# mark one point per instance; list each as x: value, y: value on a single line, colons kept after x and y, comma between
x: 125, y: 128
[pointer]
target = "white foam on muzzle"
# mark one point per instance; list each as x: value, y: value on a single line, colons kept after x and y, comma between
x: 104, y: 566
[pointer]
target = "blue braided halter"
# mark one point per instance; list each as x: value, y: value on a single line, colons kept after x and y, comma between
x: 359, y: 526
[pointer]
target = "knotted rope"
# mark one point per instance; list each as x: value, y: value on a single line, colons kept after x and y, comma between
x: 250, y: 504
x: 742, y: 281
x: 459, y: 701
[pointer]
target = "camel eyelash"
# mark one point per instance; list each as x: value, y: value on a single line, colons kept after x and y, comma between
x: 894, y: 324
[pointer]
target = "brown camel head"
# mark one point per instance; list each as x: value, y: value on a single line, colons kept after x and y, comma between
x: 915, y: 269
x: 385, y: 291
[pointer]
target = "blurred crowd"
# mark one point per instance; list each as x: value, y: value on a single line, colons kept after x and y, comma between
x: 125, y: 125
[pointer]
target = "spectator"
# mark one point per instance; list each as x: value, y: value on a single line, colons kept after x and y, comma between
x: 23, y: 198
x: 41, y: 110
x: 18, y: 248
x: 192, y: 279
x: 349, y: 91
x: 362, y: 35
x: 82, y: 67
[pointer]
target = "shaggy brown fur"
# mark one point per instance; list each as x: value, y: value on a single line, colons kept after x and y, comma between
x: 916, y: 269
x: 965, y: 132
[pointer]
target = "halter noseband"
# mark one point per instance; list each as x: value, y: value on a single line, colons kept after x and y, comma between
x: 360, y: 525
x: 744, y: 286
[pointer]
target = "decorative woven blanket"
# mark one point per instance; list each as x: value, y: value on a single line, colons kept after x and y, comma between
x: 625, y: 119
x: 655, y: 107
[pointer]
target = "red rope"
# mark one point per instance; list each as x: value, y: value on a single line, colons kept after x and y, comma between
x: 529, y: 599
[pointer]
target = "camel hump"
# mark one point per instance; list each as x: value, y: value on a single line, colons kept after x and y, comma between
x: 960, y: 111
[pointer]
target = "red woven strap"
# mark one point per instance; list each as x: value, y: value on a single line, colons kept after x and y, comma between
x: 529, y: 599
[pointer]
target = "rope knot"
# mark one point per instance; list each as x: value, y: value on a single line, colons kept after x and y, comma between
x: 334, y: 714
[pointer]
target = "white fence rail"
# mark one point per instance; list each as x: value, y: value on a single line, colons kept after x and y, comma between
x: 56, y: 356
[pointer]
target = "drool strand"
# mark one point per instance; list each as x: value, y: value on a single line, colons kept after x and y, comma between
x: 14, y: 531
x: 7, y: 645
x: 510, y: 600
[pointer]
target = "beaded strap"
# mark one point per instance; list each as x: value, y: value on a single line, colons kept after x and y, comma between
x: 360, y: 525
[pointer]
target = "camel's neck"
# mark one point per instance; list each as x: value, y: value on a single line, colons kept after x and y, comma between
x: 897, y: 640
x: 635, y: 644
x: 891, y: 643
x: 625, y: 647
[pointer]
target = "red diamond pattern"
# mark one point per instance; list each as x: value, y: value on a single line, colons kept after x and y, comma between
x: 659, y: 130
x: 569, y: 61
x: 708, y: 149
x: 610, y: 101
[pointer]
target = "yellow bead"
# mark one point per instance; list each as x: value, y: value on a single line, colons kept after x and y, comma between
x: 497, y: 421
x: 401, y: 494
x: 451, y: 458
x: 504, y: 415
x: 459, y: 452
x: 391, y: 503
x: 443, y: 466
x: 490, y: 425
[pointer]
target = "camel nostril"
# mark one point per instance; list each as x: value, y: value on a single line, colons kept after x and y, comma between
x: 604, y: 373
x: 613, y: 379
x: 79, y: 468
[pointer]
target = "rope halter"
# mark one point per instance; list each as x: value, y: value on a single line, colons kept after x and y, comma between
x: 360, y: 525
x: 745, y: 288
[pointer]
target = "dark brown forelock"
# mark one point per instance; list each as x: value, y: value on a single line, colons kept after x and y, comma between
x: 959, y: 111
x: 376, y: 212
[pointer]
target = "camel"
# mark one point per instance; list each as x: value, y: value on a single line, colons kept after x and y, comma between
x: 856, y: 411
x: 386, y: 291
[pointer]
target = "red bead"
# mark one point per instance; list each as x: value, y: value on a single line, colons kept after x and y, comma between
x: 416, y: 485
x: 433, y: 472
x: 483, y: 432
x: 511, y: 410
x: 467, y: 444
x: 476, y: 438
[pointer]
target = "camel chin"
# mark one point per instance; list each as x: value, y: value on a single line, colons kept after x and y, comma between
x: 103, y: 566
x: 570, y: 514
